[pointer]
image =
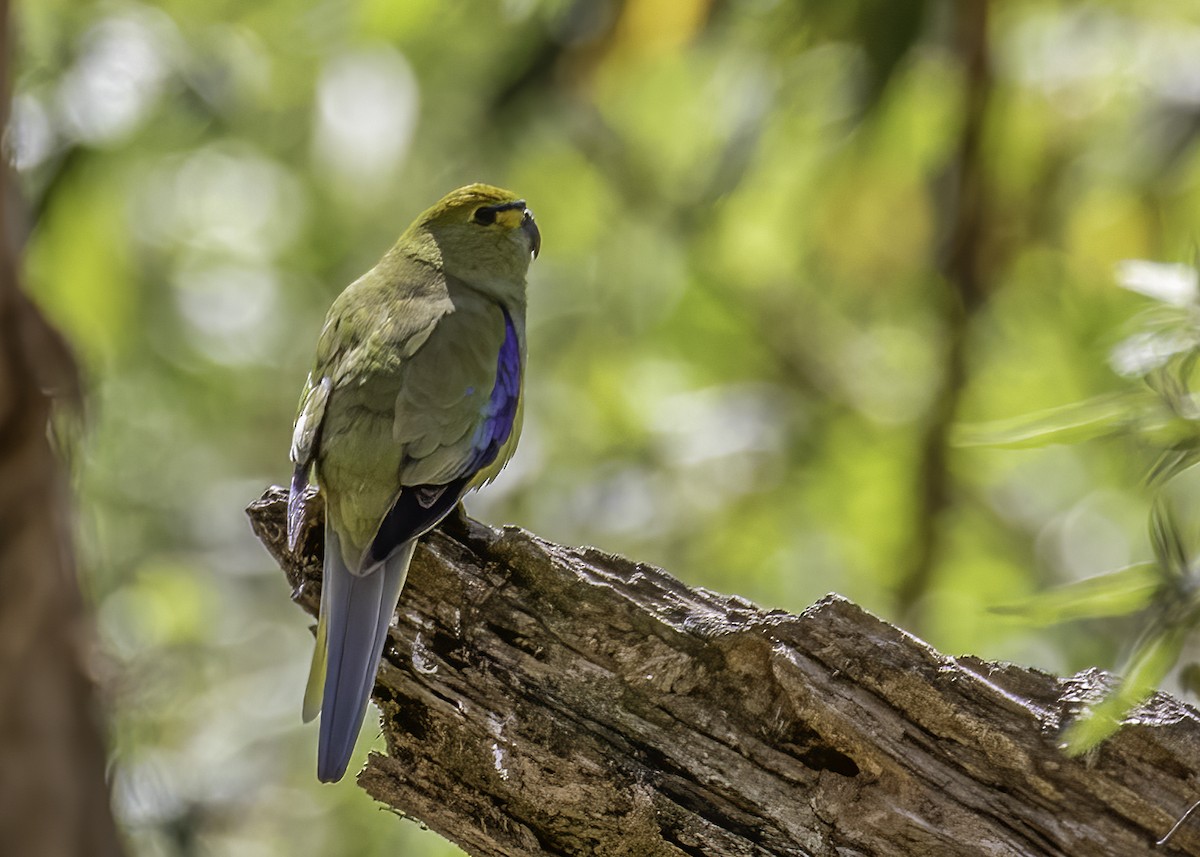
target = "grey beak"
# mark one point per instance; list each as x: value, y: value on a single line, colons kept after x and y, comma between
x: 529, y: 226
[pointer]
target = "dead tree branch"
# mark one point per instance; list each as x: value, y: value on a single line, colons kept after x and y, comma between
x: 539, y: 700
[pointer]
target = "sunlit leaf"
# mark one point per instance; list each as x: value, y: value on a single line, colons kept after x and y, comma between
x: 1117, y: 593
x: 1102, y: 416
x: 1173, y: 284
x: 1145, y: 351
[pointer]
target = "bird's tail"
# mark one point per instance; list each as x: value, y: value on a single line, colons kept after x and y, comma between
x: 355, y: 613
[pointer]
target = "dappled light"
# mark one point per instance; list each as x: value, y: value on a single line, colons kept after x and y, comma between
x: 817, y: 282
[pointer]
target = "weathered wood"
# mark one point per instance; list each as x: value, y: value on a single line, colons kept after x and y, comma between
x: 539, y: 699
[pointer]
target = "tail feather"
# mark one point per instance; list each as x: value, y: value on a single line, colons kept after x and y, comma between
x: 316, y: 671
x: 357, y: 611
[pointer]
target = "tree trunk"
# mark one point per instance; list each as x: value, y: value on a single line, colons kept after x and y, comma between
x: 54, y: 801
x: 538, y: 699
x: 53, y: 797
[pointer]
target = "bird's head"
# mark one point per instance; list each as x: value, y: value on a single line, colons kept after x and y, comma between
x: 483, y: 234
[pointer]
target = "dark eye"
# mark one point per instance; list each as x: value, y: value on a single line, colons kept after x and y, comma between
x: 484, y: 216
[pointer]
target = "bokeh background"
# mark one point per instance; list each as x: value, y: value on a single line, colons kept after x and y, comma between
x: 788, y: 246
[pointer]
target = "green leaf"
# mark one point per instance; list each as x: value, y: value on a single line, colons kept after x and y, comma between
x: 1149, y: 664
x: 1172, y: 462
x: 1117, y: 593
x: 1172, y: 379
x: 1102, y: 416
x: 1166, y: 539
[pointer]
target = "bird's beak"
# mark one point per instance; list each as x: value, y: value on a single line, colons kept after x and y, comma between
x: 529, y: 227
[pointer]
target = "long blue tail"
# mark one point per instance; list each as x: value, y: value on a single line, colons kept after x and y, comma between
x: 360, y: 608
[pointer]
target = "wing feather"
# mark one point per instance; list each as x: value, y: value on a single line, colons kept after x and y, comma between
x: 305, y: 438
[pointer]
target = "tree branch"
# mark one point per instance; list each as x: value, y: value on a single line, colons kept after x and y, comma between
x: 539, y: 699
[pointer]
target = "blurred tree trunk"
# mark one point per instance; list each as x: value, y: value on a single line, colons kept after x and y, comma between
x: 967, y: 259
x: 53, y: 798
x: 544, y: 700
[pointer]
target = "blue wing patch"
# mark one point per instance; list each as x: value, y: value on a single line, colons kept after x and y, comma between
x: 420, y: 507
x: 501, y: 409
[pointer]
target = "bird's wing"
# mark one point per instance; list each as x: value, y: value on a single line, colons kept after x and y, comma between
x: 373, y: 329
x: 305, y: 437
x: 454, y: 416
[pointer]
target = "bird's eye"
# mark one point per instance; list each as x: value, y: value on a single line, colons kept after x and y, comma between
x: 484, y: 216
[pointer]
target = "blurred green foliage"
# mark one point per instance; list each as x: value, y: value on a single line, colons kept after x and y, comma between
x: 1157, y: 413
x: 742, y: 325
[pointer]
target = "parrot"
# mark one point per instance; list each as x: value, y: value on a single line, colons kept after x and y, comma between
x: 414, y: 399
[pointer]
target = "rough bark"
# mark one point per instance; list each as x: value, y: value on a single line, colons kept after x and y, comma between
x: 538, y: 699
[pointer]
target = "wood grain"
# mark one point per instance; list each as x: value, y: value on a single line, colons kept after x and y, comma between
x: 539, y: 699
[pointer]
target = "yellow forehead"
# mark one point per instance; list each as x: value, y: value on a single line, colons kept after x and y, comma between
x: 510, y: 218
x: 459, y: 205
x: 477, y: 194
